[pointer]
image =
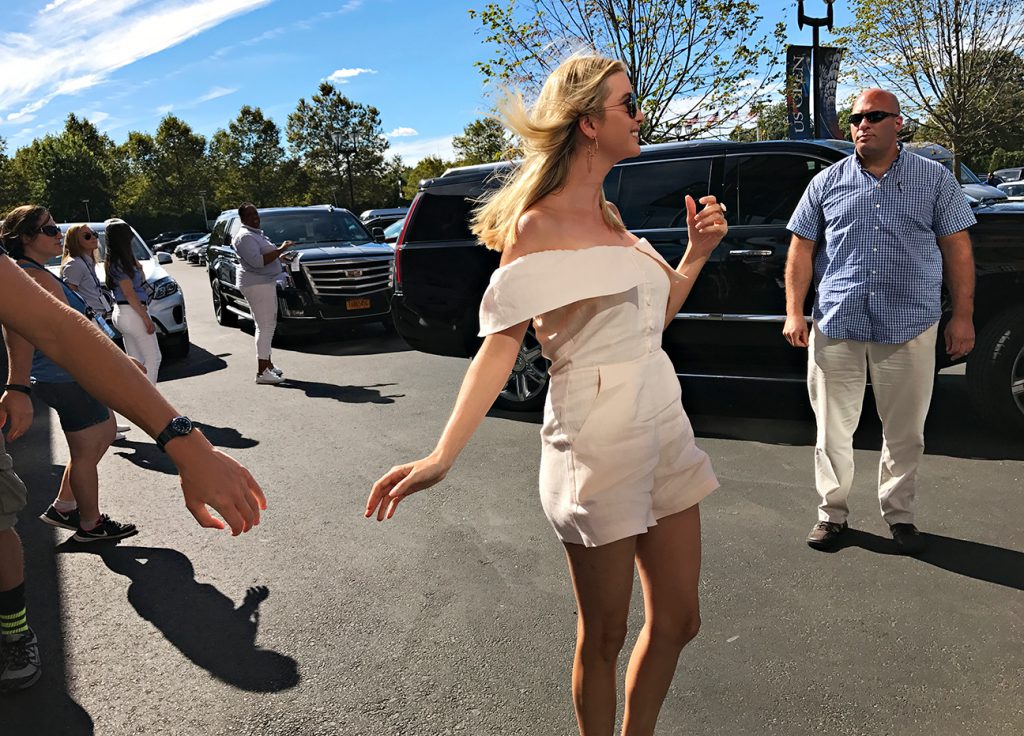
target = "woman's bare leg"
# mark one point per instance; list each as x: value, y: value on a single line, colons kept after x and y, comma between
x: 602, y: 578
x: 668, y: 560
x: 87, y: 447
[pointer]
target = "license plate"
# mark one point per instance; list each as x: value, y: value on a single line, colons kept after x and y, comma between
x: 357, y: 303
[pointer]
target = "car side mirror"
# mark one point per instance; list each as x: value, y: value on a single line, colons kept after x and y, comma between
x: 164, y: 258
x: 378, y: 234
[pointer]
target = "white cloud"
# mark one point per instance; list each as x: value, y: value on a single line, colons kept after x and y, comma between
x: 341, y: 76
x: 118, y: 33
x: 97, y: 118
x: 402, y: 133
x: 21, y: 117
x: 216, y: 92
x: 164, y: 109
x: 413, y: 151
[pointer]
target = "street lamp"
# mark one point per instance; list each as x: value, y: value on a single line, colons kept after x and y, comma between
x: 401, y: 190
x: 346, y: 146
x: 202, y: 198
x: 88, y: 217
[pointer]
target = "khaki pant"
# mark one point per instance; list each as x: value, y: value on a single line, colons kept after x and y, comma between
x: 902, y: 377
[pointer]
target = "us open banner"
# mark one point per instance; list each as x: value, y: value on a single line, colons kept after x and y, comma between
x: 798, y: 92
x: 826, y: 74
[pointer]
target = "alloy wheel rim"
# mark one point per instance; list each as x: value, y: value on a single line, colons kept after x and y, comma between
x: 529, y: 375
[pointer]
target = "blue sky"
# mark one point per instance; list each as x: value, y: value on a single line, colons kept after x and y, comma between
x: 125, y: 63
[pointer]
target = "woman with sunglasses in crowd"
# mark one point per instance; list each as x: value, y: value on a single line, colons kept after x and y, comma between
x: 620, y: 475
x: 78, y: 269
x: 30, y: 236
x: 125, y: 277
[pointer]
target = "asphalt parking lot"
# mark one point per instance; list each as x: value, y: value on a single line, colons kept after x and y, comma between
x: 457, y: 618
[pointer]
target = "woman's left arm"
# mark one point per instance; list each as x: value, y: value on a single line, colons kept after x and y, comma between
x: 706, y: 230
x: 128, y: 289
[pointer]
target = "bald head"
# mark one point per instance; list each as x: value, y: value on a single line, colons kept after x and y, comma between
x: 874, y: 98
x: 875, y: 124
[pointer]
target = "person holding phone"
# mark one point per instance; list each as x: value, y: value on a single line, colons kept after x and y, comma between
x: 125, y: 277
x: 259, y: 266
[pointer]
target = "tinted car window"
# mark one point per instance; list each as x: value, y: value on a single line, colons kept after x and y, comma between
x: 652, y: 195
x: 766, y: 188
x: 441, y: 217
x: 306, y: 227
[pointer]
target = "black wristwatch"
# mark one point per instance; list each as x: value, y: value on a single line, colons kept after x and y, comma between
x: 177, y: 427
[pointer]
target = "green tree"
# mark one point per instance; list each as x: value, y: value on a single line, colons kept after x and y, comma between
x: 769, y: 122
x: 248, y: 158
x: 482, y: 141
x: 947, y: 61
x: 427, y: 168
x: 180, y: 166
x: 14, y: 188
x: 685, y: 57
x: 361, y: 156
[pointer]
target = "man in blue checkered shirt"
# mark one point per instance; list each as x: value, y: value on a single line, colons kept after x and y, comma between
x: 877, y: 231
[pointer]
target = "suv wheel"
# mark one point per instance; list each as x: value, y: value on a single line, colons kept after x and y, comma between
x: 528, y: 383
x: 995, y: 369
x: 225, y: 317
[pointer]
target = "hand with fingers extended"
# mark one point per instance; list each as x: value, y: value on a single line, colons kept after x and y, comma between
x: 707, y: 227
x: 18, y: 407
x: 211, y: 478
x: 402, y: 481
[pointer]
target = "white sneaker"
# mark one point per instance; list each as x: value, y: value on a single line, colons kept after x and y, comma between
x: 118, y: 436
x: 122, y: 428
x: 269, y: 377
x: 274, y: 369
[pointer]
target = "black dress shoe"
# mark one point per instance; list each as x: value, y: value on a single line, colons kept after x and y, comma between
x: 908, y: 539
x: 825, y: 535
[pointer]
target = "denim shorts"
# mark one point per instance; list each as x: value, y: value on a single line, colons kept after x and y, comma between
x: 12, y: 491
x: 76, y: 408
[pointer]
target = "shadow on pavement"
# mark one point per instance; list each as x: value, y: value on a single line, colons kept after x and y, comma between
x: 970, y: 559
x: 198, y: 363
x: 345, y: 394
x: 198, y: 619
x: 47, y: 707
x: 146, y: 455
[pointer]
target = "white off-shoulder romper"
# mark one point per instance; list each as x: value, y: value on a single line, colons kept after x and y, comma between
x: 617, y: 451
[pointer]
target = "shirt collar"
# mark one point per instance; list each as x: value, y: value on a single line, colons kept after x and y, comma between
x: 252, y: 229
x: 892, y: 167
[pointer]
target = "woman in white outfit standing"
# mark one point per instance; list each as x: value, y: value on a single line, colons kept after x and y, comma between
x: 125, y: 277
x: 259, y: 265
x: 620, y: 475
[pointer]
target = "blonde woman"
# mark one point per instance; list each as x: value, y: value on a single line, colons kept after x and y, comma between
x: 620, y: 475
x: 78, y: 269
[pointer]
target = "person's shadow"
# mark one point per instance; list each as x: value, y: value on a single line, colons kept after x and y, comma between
x: 198, y: 619
x: 972, y: 559
x: 346, y: 394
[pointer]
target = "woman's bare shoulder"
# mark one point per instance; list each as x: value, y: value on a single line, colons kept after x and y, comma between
x: 537, y: 230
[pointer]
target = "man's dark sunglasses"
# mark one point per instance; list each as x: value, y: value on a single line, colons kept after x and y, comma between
x: 875, y: 116
x: 632, y: 105
x: 50, y: 230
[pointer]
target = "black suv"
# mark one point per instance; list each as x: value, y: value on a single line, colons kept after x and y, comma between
x: 731, y: 325
x: 340, y: 273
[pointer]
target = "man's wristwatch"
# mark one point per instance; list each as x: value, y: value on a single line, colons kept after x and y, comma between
x: 177, y: 427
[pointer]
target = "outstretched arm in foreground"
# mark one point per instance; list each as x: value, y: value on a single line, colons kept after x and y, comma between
x: 208, y: 476
x: 487, y: 373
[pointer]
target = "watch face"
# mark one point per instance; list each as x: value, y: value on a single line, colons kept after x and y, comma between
x: 181, y: 425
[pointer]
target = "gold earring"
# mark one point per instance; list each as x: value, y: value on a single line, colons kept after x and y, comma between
x: 591, y: 151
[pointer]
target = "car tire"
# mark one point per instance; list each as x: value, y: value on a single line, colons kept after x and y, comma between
x: 528, y: 383
x: 995, y: 370
x: 225, y: 317
x: 176, y: 347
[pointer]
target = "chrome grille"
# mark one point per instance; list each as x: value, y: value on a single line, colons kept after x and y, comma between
x: 349, y: 277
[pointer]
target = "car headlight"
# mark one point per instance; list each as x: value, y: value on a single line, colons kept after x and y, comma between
x: 165, y: 287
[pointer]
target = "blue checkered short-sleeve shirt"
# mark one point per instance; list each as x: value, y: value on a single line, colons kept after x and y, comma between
x: 878, y: 268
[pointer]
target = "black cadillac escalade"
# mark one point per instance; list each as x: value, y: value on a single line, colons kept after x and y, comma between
x: 340, y: 273
x: 731, y: 324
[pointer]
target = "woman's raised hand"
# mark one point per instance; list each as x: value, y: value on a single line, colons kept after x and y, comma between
x: 706, y: 228
x: 402, y: 481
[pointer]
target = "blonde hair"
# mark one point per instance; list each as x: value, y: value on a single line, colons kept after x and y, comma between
x: 548, y: 139
x: 73, y: 244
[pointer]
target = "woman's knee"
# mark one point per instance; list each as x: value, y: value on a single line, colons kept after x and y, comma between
x: 603, y: 641
x: 676, y: 633
x: 90, y: 444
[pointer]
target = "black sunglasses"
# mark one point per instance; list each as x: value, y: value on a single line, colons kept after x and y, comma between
x: 875, y: 116
x: 50, y: 230
x: 632, y: 105
x: 89, y: 236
